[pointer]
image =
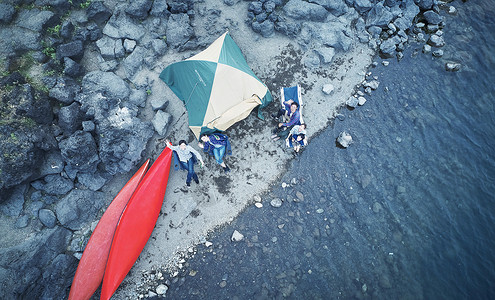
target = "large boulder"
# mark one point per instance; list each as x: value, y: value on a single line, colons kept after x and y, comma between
x: 179, y: 30
x: 64, y: 90
x: 12, y: 201
x: 121, y: 26
x: 70, y: 118
x: 79, y: 152
x: 7, y: 12
x: 21, y: 39
x: 74, y: 50
x: 110, y: 48
x: 302, y: 10
x: 161, y: 122
x: 362, y: 6
x: 123, y: 138
x: 98, y: 12
x: 108, y: 84
x: 54, y: 185
x: 379, y: 15
x: 79, y: 208
x: 139, y: 8
x: 432, y: 17
x: 35, y: 20
x: 23, y: 263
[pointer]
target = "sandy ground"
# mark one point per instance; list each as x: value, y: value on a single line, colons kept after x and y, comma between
x: 189, y: 214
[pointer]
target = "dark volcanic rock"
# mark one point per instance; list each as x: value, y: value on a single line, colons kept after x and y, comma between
x: 54, y: 185
x: 98, y: 12
x: 64, y: 90
x: 22, y: 264
x: 139, y: 8
x: 107, y: 84
x: 179, y: 30
x: 36, y: 20
x: 7, y: 12
x: 121, y: 26
x: 74, y: 50
x: 72, y: 68
x: 47, y: 217
x: 70, y: 118
x: 121, y: 147
x: 301, y: 10
x: 79, y: 207
x: 79, y: 151
x: 13, y: 201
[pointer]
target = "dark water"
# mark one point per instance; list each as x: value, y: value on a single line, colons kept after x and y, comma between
x: 406, y: 212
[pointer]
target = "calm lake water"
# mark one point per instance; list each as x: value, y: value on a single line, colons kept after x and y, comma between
x: 406, y: 212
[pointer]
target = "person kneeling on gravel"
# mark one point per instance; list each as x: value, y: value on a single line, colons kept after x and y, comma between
x: 187, y: 157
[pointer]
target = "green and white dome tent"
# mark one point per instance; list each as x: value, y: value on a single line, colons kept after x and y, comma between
x: 217, y: 86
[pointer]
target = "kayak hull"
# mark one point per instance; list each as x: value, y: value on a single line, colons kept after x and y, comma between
x: 136, y: 224
x: 91, y: 267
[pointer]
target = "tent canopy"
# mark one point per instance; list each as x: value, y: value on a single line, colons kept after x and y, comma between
x: 217, y: 86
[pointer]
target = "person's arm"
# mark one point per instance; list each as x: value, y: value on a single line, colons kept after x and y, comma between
x: 169, y: 145
x: 198, y: 155
x: 293, y: 120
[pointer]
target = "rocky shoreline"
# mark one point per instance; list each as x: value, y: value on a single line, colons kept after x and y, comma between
x: 82, y: 108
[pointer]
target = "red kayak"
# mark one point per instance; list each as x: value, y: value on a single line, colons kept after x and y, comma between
x: 136, y: 224
x: 91, y: 268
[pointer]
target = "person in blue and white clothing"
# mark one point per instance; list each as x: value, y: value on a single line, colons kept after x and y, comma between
x: 218, y: 145
x: 186, y: 156
x: 297, y: 137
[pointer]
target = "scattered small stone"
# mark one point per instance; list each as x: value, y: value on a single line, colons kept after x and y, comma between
x: 364, y: 288
x: 426, y: 48
x: 398, y: 139
x: 352, y: 102
x: 280, y: 226
x: 452, y: 10
x: 401, y: 189
x: 274, y: 239
x: 361, y: 100
x: 293, y: 181
x: 258, y: 205
x: 377, y: 207
x: 341, y: 117
x: 300, y: 196
x: 208, y: 244
x: 276, y: 202
x: 344, y: 139
x: 284, y: 185
x: 385, y: 63
x: 237, y: 236
x: 452, y: 66
x: 328, y: 88
x: 438, y: 53
x: 161, y: 289
x: 193, y: 273
x: 223, y: 284
x: 319, y: 210
x: 151, y: 294
x: 257, y: 198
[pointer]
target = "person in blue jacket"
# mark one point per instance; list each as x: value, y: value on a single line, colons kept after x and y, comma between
x: 291, y: 110
x: 218, y: 145
x: 185, y: 157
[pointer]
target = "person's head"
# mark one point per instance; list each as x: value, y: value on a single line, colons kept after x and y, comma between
x: 302, y: 127
x: 204, y: 138
x: 182, y: 144
x: 294, y: 106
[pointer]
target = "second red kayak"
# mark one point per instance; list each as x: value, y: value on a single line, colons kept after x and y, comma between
x: 136, y: 224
